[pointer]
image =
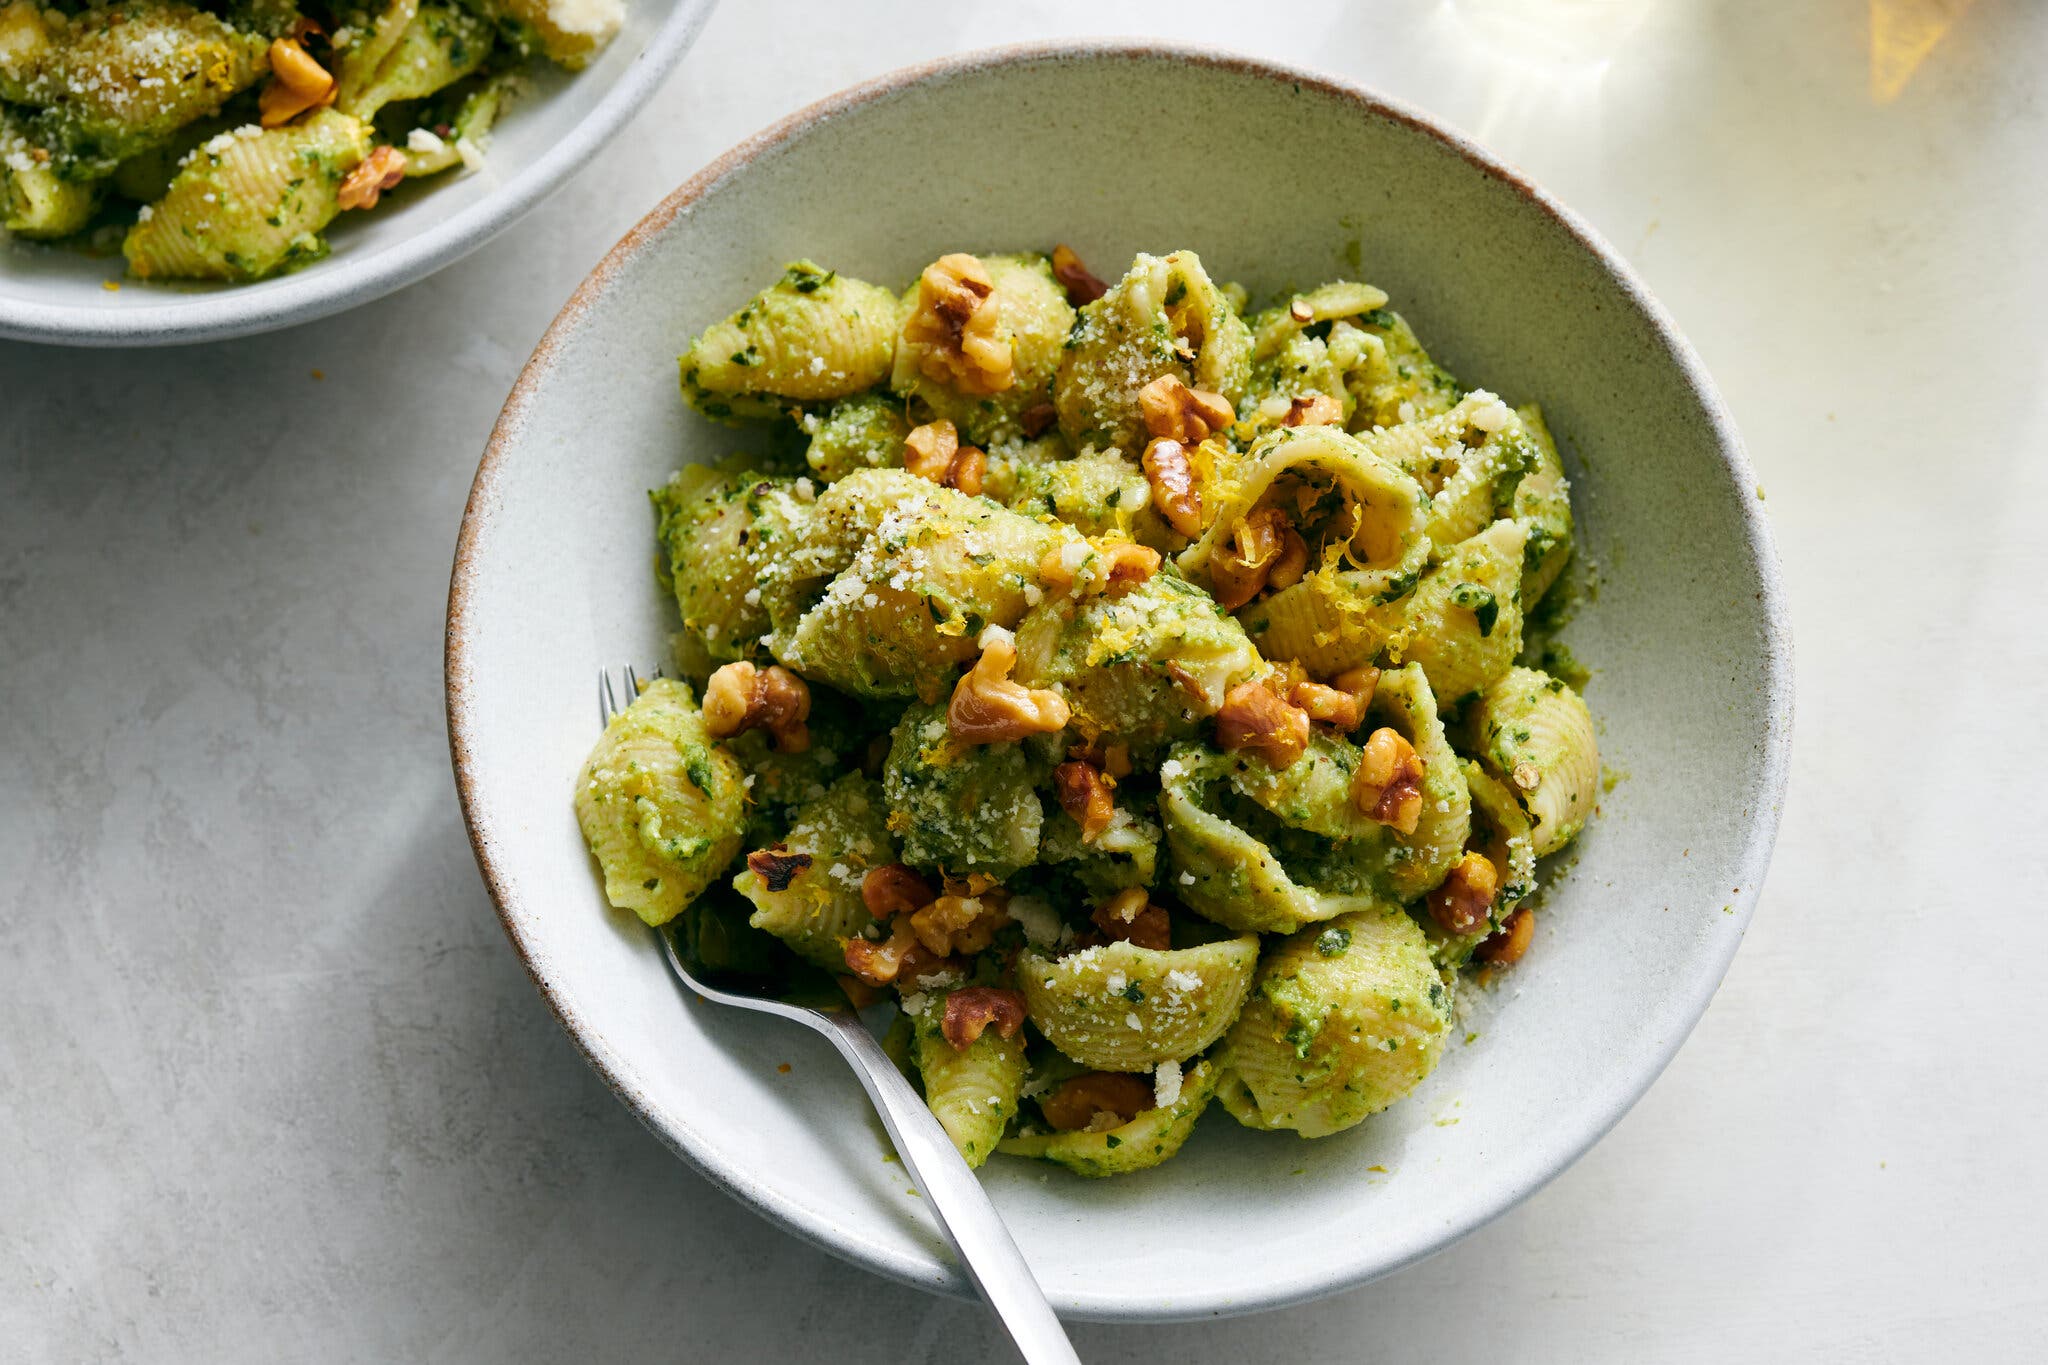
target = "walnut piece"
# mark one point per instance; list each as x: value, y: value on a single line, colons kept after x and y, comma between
x: 960, y: 925
x: 1086, y: 793
x: 1174, y: 492
x: 743, y: 697
x: 989, y: 708
x: 1313, y: 410
x: 898, y: 957
x: 1464, y: 903
x: 933, y: 451
x: 958, y: 322
x: 1111, y: 568
x: 1130, y: 917
x: 971, y: 1010
x: 1075, y: 1104
x: 381, y: 170
x: 1253, y: 716
x: 297, y: 83
x: 1388, y: 783
x: 893, y: 889
x: 1505, y: 948
x: 1038, y: 419
x: 1175, y: 412
x: 1080, y: 283
x: 1341, y: 702
x: 776, y: 866
x: 1264, y: 551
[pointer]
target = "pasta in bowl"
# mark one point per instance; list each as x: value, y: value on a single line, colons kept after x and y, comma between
x: 1148, y: 713
x: 557, y: 578
x: 177, y: 170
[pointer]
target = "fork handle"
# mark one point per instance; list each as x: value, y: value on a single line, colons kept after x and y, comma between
x: 971, y: 1224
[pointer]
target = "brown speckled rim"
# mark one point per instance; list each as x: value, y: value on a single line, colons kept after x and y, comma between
x: 1774, y: 668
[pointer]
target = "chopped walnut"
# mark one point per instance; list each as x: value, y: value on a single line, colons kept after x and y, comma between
x: 1264, y: 551
x: 297, y: 83
x: 1341, y: 702
x: 1175, y: 412
x: 1528, y: 776
x: 381, y: 170
x: 893, y: 889
x: 989, y: 708
x: 1038, y: 419
x: 880, y: 963
x: 1506, y: 947
x: 972, y: 1010
x: 1388, y: 783
x: 1130, y: 917
x: 933, y: 451
x: 1113, y: 759
x: 1174, y: 492
x: 1076, y: 1103
x: 1111, y: 568
x: 1464, y: 903
x: 1080, y: 283
x: 1300, y: 311
x: 958, y: 321
x: 960, y: 925
x: 1086, y: 793
x: 743, y: 697
x: 1254, y: 717
x: 1313, y: 410
x: 776, y: 866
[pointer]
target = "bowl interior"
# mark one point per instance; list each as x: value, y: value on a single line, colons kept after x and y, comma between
x: 1277, y: 180
x: 57, y: 293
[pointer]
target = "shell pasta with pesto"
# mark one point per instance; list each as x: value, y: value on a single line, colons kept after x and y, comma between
x: 1144, y: 692
x: 217, y: 140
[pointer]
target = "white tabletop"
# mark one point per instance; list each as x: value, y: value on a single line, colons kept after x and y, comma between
x: 276, y: 1088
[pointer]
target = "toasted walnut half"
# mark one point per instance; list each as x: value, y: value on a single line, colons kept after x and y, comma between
x: 1254, y: 717
x: 898, y: 957
x: 1130, y: 917
x: 988, y: 707
x: 1505, y: 948
x: 1086, y: 793
x: 961, y: 327
x: 1464, y: 903
x: 1081, y: 284
x: 1175, y: 412
x: 893, y: 889
x: 1341, y: 702
x: 743, y: 697
x: 297, y: 83
x: 959, y: 924
x: 1111, y: 568
x: 1097, y: 1101
x: 972, y: 1010
x: 1264, y: 551
x: 1174, y: 489
x: 933, y: 451
x: 381, y: 170
x: 1388, y: 783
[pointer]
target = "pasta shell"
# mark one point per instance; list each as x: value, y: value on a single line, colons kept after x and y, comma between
x: 1535, y: 735
x: 845, y: 832
x: 1119, y: 1007
x: 660, y: 806
x: 814, y: 334
x: 1344, y: 1019
x: 1147, y: 1140
x: 972, y: 1092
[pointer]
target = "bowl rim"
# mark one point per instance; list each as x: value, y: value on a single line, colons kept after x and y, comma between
x: 330, y: 287
x: 1776, y: 678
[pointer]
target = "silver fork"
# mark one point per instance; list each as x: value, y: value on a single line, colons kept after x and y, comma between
x: 966, y: 1216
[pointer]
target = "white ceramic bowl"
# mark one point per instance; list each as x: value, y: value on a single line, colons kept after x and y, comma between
x: 58, y: 294
x: 1277, y: 178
